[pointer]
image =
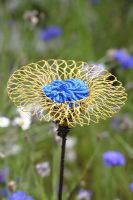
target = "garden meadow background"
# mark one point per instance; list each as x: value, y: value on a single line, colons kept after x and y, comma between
x: 95, y: 31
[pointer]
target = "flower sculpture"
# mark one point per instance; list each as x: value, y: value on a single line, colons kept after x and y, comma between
x: 66, y: 92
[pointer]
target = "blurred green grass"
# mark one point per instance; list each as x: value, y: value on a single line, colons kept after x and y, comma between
x: 89, y: 31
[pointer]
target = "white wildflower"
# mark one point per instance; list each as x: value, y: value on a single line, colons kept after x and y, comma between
x: 84, y: 194
x: 4, y: 122
x: 71, y: 142
x: 71, y: 155
x: 2, y: 155
x: 70, y: 151
x: 43, y: 169
x: 24, y: 121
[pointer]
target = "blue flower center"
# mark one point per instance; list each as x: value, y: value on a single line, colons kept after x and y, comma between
x: 68, y: 90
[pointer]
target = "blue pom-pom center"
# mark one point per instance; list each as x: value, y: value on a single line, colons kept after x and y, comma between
x: 69, y: 90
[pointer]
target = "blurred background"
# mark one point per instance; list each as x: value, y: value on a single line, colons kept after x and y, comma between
x: 94, y: 31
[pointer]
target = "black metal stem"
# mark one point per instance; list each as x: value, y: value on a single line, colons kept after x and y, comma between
x: 62, y: 132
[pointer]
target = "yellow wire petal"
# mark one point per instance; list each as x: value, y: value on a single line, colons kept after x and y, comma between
x: 106, y: 97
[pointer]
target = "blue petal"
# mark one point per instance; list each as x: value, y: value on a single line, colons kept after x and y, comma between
x: 67, y: 90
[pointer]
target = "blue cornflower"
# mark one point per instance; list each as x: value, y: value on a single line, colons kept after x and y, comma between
x: 4, y: 173
x: 50, y: 33
x: 84, y: 194
x: 127, y: 63
x: 61, y: 91
x: 113, y: 158
x: 131, y: 186
x: 4, y: 192
x: 123, y: 122
x: 120, y: 55
x: 20, y: 195
x: 125, y: 59
x: 117, y: 122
